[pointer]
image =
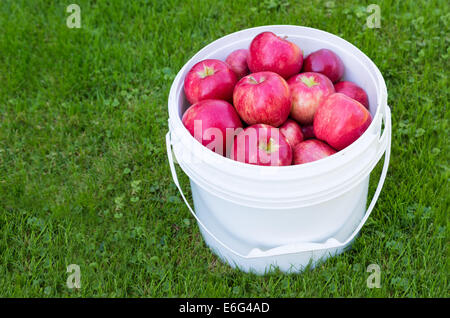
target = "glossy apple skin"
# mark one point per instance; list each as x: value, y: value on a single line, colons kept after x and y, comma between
x: 352, y: 90
x: 262, y: 98
x: 292, y: 132
x: 269, y: 52
x: 250, y: 146
x: 212, y: 113
x: 311, y: 150
x: 308, y: 132
x: 237, y: 60
x: 326, y: 62
x: 219, y: 85
x: 308, y: 91
x: 340, y: 120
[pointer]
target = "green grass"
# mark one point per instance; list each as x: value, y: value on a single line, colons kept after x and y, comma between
x: 83, y: 172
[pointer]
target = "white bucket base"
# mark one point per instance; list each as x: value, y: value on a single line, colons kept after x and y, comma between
x: 294, y: 262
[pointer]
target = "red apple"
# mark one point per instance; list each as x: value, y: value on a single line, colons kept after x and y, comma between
x: 262, y: 98
x: 311, y: 150
x: 210, y: 121
x: 262, y: 145
x: 237, y: 60
x: 308, y: 91
x: 352, y: 90
x: 209, y: 79
x: 269, y: 52
x: 308, y: 132
x: 325, y: 62
x: 292, y: 132
x: 340, y: 120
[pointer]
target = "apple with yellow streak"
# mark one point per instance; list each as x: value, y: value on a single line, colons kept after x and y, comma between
x: 262, y: 98
x: 308, y: 90
x: 262, y: 145
x: 209, y: 79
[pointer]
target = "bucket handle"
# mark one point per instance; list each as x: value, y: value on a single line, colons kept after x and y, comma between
x: 331, y: 243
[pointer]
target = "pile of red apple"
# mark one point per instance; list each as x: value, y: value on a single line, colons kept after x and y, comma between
x: 266, y: 105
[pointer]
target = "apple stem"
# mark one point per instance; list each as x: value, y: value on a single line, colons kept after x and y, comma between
x: 309, y: 81
x: 269, y: 147
x: 254, y: 81
x: 207, y: 71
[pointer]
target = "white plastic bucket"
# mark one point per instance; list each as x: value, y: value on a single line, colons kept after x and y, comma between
x: 258, y: 218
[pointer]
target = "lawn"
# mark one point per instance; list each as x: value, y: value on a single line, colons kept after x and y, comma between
x: 84, y: 177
